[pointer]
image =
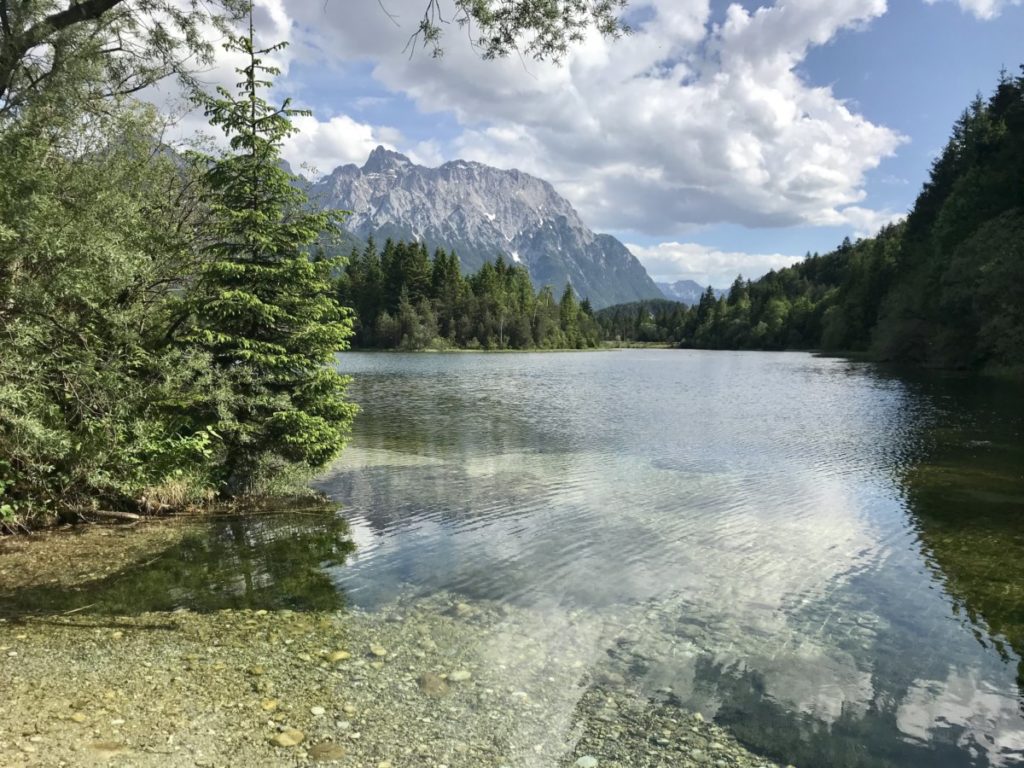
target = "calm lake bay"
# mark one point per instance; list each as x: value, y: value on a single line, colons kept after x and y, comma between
x: 824, y: 556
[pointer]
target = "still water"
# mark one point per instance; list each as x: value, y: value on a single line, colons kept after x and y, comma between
x: 825, y: 557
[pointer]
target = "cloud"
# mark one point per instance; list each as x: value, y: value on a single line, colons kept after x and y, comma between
x: 668, y: 262
x: 324, y: 145
x: 272, y: 24
x: 865, y: 222
x: 983, y: 9
x: 684, y: 122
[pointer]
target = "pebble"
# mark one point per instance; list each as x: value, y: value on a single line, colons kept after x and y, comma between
x: 326, y: 752
x: 238, y: 713
x: 106, y: 748
x: 289, y: 737
x: 432, y: 685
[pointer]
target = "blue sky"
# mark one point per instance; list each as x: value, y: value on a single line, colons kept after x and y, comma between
x: 713, y: 141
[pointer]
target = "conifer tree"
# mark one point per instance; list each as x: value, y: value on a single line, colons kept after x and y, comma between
x: 266, y: 311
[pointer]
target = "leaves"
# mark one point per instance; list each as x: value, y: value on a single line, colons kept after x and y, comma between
x: 264, y: 310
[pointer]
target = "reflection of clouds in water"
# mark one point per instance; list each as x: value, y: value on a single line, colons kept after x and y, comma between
x: 355, y: 458
x: 701, y: 515
x: 551, y: 634
x: 761, y: 561
x: 365, y: 539
x: 989, y: 719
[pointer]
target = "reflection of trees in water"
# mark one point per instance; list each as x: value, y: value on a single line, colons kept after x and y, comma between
x: 269, y: 560
x: 975, y: 543
x: 967, y: 502
x: 453, y: 416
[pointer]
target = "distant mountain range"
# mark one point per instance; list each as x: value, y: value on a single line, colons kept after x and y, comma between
x: 482, y: 212
x: 687, y: 291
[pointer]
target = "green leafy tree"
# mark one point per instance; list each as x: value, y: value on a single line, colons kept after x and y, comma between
x: 541, y: 29
x: 87, y: 51
x: 266, y: 312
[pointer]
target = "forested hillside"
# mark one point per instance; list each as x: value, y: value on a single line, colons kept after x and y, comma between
x: 944, y: 288
x: 406, y: 300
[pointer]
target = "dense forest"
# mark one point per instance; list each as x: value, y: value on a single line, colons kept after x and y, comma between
x: 404, y: 299
x: 944, y: 288
x: 651, y: 320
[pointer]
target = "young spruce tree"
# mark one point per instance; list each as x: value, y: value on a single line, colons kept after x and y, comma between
x: 266, y: 310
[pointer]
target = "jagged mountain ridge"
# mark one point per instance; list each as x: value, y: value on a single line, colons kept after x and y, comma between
x: 686, y: 291
x: 482, y: 212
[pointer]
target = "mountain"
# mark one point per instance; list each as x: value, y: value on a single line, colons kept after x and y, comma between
x: 686, y: 291
x: 482, y: 212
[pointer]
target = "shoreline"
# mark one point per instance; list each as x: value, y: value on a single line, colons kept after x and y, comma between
x: 424, y: 681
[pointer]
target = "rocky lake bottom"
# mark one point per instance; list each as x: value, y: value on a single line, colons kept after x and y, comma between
x: 420, y: 682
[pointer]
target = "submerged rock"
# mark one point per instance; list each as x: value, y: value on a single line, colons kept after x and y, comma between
x: 432, y: 685
x: 326, y: 752
x: 289, y: 737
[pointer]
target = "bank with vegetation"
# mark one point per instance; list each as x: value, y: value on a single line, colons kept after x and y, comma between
x: 406, y: 299
x: 167, y: 338
x: 944, y: 288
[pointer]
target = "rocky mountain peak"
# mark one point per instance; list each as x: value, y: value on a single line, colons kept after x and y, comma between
x: 481, y: 213
x: 382, y: 159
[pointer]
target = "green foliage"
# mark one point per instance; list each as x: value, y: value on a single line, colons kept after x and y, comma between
x: 541, y: 29
x: 406, y: 300
x: 81, y: 55
x: 264, y: 310
x: 651, y: 320
x: 165, y: 330
x: 97, y: 223
x: 945, y: 288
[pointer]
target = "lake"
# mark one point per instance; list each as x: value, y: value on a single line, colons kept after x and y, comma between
x: 822, y: 555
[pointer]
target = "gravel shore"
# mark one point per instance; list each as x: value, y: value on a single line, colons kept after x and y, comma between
x: 425, y: 682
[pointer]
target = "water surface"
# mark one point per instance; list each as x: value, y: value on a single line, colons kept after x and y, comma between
x: 824, y: 556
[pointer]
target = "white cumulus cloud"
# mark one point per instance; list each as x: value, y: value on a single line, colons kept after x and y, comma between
x: 322, y: 145
x: 983, y: 9
x: 669, y: 262
x: 684, y: 122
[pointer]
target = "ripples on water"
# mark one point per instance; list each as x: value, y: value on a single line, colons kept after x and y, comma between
x: 738, y: 527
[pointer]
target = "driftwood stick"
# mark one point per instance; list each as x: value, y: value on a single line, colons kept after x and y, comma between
x: 115, y: 515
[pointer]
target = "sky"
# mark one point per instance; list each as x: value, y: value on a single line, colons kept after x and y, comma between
x: 718, y: 138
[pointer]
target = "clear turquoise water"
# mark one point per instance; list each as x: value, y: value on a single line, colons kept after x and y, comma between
x: 824, y: 556
x: 761, y: 533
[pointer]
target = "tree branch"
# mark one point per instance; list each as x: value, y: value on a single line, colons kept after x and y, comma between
x: 5, y: 19
x: 90, y: 10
